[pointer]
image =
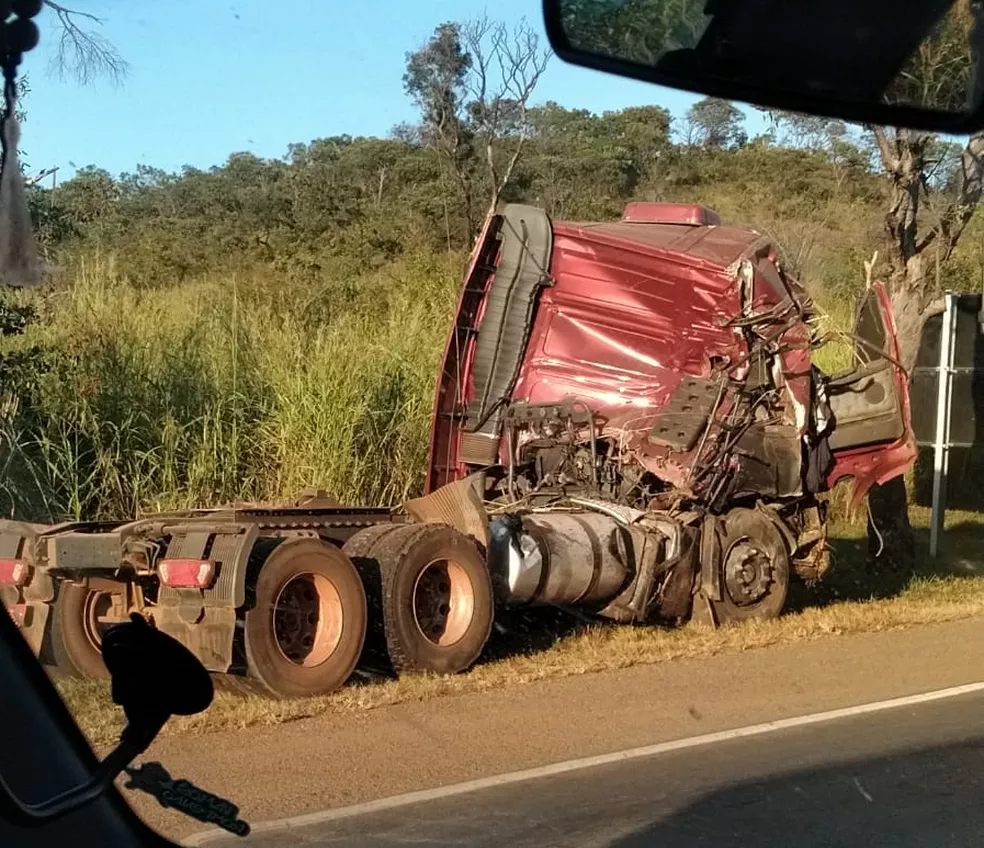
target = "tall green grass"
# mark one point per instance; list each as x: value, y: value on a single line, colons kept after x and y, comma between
x: 228, y: 388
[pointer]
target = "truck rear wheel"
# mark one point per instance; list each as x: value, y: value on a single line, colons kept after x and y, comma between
x: 435, y: 596
x: 79, y: 616
x: 754, y: 568
x: 359, y: 548
x: 306, y: 630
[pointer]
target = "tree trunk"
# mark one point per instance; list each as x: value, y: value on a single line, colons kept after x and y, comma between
x: 907, y: 157
x: 890, y: 538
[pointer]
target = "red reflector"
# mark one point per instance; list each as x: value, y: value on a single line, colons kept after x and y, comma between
x: 186, y: 573
x: 18, y: 612
x: 13, y: 571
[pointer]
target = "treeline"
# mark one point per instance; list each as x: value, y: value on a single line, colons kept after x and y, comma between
x: 366, y: 201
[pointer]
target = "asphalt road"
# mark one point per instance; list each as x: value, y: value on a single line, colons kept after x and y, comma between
x: 907, y: 776
x: 338, y: 760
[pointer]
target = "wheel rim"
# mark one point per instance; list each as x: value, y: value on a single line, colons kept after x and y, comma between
x: 748, y: 573
x: 97, y: 616
x: 443, y: 602
x: 307, y: 619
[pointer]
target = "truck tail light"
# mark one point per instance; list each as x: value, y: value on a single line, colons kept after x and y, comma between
x: 13, y: 571
x: 186, y: 573
x: 18, y: 612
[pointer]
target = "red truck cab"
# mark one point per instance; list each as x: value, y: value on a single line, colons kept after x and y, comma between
x: 660, y: 363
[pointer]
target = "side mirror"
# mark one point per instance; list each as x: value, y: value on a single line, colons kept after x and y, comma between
x: 909, y: 63
x: 153, y: 677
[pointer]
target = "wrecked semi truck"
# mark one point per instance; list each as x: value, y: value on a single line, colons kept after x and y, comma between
x: 627, y: 421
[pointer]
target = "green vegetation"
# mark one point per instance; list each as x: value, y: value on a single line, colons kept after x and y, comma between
x: 267, y: 325
x: 227, y: 387
x: 252, y: 329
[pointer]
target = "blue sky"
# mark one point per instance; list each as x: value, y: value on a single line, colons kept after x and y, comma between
x: 213, y: 77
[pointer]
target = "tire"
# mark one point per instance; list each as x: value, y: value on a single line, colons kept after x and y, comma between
x: 305, y: 585
x: 749, y: 537
x: 73, y: 639
x: 359, y: 549
x: 435, y: 594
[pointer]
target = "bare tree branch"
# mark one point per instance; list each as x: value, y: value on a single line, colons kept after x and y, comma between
x: 889, y: 160
x: 970, y: 188
x: 499, y: 109
x: 83, y: 53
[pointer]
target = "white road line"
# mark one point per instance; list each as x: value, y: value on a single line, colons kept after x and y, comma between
x: 409, y: 798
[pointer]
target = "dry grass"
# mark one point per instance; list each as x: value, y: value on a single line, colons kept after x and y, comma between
x: 544, y: 645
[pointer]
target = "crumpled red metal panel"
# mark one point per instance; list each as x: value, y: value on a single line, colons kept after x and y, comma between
x: 632, y: 311
x: 621, y: 327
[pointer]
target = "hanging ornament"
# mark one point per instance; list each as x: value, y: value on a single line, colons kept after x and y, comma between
x: 19, y: 262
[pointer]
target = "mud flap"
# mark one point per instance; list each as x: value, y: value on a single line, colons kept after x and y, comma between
x: 710, y: 558
x: 702, y: 612
x: 204, y: 620
x: 28, y: 604
x: 708, y: 587
x: 457, y: 504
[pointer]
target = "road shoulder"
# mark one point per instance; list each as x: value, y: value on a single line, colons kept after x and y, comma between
x: 312, y: 764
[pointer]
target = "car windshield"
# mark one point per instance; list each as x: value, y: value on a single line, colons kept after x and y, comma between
x: 532, y: 456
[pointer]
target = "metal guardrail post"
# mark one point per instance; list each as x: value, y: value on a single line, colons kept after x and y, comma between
x: 944, y: 395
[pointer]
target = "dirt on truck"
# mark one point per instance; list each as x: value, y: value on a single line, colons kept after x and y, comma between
x: 628, y: 421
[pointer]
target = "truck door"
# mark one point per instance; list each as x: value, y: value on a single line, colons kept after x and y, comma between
x: 871, y: 438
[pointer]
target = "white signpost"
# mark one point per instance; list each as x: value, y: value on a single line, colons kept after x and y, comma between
x: 944, y: 396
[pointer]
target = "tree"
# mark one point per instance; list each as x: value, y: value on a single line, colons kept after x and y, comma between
x: 83, y: 52
x: 797, y: 129
x: 435, y: 79
x: 472, y: 83
x: 504, y: 70
x: 89, y: 196
x: 717, y: 123
x: 585, y: 166
x: 923, y: 223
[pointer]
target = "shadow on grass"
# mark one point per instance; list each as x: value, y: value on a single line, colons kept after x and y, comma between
x: 851, y: 579
x: 529, y: 631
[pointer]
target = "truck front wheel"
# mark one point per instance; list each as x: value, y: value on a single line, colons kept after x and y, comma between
x: 754, y: 568
x: 79, y: 616
x: 305, y: 632
x: 436, y: 598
